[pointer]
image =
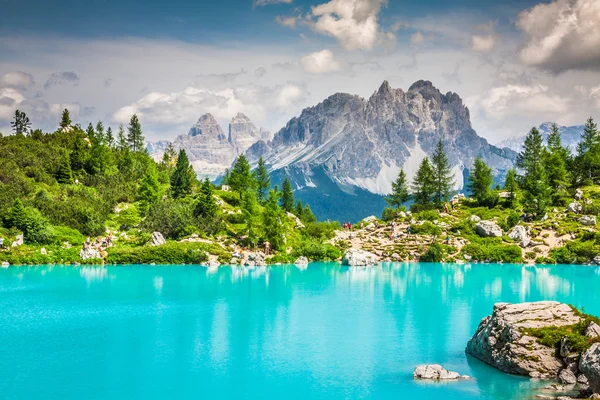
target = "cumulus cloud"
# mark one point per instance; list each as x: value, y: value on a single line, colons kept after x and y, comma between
x: 17, y: 79
x: 352, y: 22
x: 289, y: 22
x: 62, y: 78
x: 320, y: 62
x: 260, y: 3
x: 417, y: 38
x: 483, y: 43
x: 561, y: 35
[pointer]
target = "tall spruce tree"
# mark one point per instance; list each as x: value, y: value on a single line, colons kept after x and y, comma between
x: 400, y: 194
x: 65, y: 120
x: 135, y: 139
x: 556, y: 160
x: 110, y: 138
x: 181, y: 180
x: 535, y: 181
x: 64, y: 173
x: 169, y: 156
x: 287, y: 195
x: 423, y: 185
x: 480, y: 182
x: 511, y: 186
x: 149, y: 190
x: 240, y: 177
x: 274, y: 221
x: 91, y: 133
x: 121, y: 139
x: 21, y: 123
x: 263, y: 181
x: 588, y: 153
x: 207, y: 209
x: 251, y: 216
x: 442, y: 175
x: 100, y: 135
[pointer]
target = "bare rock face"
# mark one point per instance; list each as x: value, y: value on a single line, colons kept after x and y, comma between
x: 359, y: 258
x: 589, y: 364
x: 501, y: 339
x: 436, y: 372
x: 488, y: 229
x: 243, y: 134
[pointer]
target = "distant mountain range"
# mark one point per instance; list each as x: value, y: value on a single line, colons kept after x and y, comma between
x: 343, y: 153
x: 570, y: 136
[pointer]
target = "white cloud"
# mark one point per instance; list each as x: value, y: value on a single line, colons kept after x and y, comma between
x: 320, y: 62
x: 288, y: 95
x: 289, y: 22
x: 17, y: 79
x: 260, y: 3
x: 417, y: 38
x: 562, y: 35
x: 62, y: 78
x: 483, y: 43
x: 352, y: 22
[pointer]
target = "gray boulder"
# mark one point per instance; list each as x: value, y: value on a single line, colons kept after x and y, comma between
x: 18, y: 241
x: 89, y: 254
x: 578, y: 194
x: 502, y: 342
x: 574, y: 207
x: 488, y: 229
x: 369, y: 219
x: 588, y: 220
x: 359, y: 258
x: 519, y: 233
x: 589, y: 364
x: 474, y: 218
x: 157, y: 239
x: 567, y: 377
x: 256, y: 260
x: 301, y: 261
x: 436, y: 372
x: 593, y: 330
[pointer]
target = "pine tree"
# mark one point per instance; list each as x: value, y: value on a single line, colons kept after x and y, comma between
x: 423, y: 185
x: 21, y: 123
x: 135, y: 139
x: 263, y: 181
x: 511, y: 185
x: 442, y: 175
x: 251, y: 214
x: 299, y: 209
x: 121, y: 139
x: 287, y: 195
x: 65, y: 120
x: 64, y: 173
x: 480, y: 182
x: 149, y: 190
x: 91, y: 133
x: 100, y: 133
x: 535, y: 182
x: 169, y: 156
x: 399, y: 193
x: 556, y: 160
x: 79, y: 154
x: 110, y: 139
x: 274, y: 221
x: 207, y: 210
x: 181, y: 180
x: 588, y: 157
x: 16, y: 216
x: 240, y: 177
x: 307, y: 215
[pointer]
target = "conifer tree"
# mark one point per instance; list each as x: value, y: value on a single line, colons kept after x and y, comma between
x: 20, y: 123
x: 251, y: 216
x: 135, y: 139
x: 588, y: 157
x: 207, y: 210
x: 181, y: 180
x: 263, y: 181
x: 299, y: 209
x: 556, y: 164
x: 149, y: 190
x: 400, y: 194
x: 274, y: 222
x: 442, y: 175
x: 16, y: 216
x: 101, y: 139
x: 110, y: 139
x: 65, y: 120
x: 79, y: 154
x: 511, y: 185
x: 64, y: 173
x: 169, y: 156
x: 535, y: 181
x: 480, y: 182
x: 423, y: 185
x: 307, y: 215
x: 240, y: 177
x: 287, y: 195
x: 121, y: 139
x: 91, y: 133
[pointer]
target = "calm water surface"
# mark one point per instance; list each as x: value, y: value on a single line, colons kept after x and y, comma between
x: 327, y: 332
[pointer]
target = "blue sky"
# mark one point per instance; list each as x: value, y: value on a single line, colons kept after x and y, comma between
x: 515, y: 64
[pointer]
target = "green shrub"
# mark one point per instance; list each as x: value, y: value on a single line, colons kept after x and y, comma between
x: 427, y: 215
x: 435, y: 253
x: 493, y: 252
x: 317, y: 251
x: 61, y: 234
x: 231, y: 198
x: 281, y: 258
x: 173, y: 218
x: 169, y: 253
x: 321, y: 230
x: 426, y: 228
x: 508, y: 222
x: 129, y: 216
x: 390, y: 213
x: 590, y: 209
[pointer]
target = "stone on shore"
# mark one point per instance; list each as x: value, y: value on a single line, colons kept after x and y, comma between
x: 157, y: 239
x: 89, y: 254
x: 502, y: 342
x: 436, y: 372
x: 18, y: 241
x: 593, y: 331
x: 488, y: 229
x: 589, y: 364
x: 256, y: 260
x: 369, y: 219
x: 359, y: 258
x: 519, y: 233
x: 301, y: 261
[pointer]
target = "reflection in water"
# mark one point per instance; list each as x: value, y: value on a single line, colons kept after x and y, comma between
x: 325, y: 331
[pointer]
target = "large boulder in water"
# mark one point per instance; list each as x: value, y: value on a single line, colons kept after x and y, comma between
x: 502, y: 339
x: 436, y: 372
x: 488, y: 229
x: 359, y: 258
x: 589, y: 364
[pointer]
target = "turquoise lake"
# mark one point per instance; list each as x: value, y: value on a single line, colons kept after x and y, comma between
x: 326, y: 332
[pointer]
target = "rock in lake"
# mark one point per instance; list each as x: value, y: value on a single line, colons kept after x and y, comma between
x: 519, y: 233
x: 589, y: 364
x: 157, y: 239
x: 359, y: 258
x: 501, y: 340
x: 488, y: 229
x: 301, y: 261
x: 436, y: 372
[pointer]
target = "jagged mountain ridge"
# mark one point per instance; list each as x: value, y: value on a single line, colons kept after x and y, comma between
x: 364, y: 142
x: 570, y: 137
x: 209, y: 149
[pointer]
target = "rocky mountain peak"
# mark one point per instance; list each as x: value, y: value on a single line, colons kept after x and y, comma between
x: 207, y: 125
x: 240, y: 118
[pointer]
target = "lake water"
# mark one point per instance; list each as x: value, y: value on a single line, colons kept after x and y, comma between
x: 327, y: 332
